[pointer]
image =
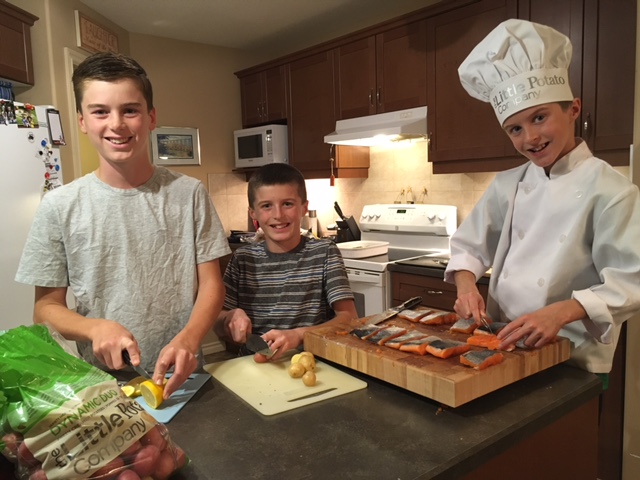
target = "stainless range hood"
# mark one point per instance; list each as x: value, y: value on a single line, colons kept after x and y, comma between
x: 381, y: 129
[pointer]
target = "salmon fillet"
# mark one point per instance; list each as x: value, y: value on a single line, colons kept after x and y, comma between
x: 464, y: 325
x: 396, y: 342
x: 367, y: 330
x: 488, y: 341
x: 418, y: 346
x: 414, y: 315
x: 481, y: 359
x: 440, y: 318
x: 386, y: 334
x: 447, y: 348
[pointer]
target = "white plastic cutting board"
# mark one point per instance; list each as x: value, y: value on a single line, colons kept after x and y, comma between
x: 267, y: 387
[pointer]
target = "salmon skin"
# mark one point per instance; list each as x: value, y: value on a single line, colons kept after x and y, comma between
x: 418, y: 346
x: 366, y: 331
x: 440, y: 318
x: 386, y: 334
x: 464, y: 325
x: 481, y: 359
x: 447, y: 348
x: 488, y: 341
x: 396, y: 342
x: 493, y: 329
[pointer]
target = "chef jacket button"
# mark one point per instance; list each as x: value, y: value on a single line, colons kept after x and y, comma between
x: 541, y: 282
x: 562, y: 238
x: 579, y: 194
x: 520, y: 234
x: 527, y: 189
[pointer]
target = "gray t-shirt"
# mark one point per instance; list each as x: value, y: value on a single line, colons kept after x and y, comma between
x: 127, y: 255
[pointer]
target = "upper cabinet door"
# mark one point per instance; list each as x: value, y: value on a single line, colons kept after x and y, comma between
x: 401, y: 68
x: 382, y: 73
x: 463, y: 129
x: 16, y: 61
x: 311, y: 113
x: 609, y: 78
x: 264, y: 96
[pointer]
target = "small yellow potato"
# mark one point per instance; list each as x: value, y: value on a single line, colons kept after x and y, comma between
x: 307, y: 362
x: 295, y: 358
x: 296, y: 370
x: 309, y: 378
x: 307, y: 353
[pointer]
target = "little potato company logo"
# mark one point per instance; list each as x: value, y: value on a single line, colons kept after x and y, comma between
x: 522, y: 91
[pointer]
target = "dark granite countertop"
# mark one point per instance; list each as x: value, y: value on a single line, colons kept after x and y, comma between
x: 381, y: 432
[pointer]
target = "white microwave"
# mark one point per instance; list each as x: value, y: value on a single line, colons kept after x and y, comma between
x: 259, y: 146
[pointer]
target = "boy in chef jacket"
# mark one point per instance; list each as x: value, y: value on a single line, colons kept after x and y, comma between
x: 137, y: 244
x: 561, y: 232
x: 282, y: 286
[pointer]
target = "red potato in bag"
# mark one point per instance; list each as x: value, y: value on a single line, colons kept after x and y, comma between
x: 62, y: 418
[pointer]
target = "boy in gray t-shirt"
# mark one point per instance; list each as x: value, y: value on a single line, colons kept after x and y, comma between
x: 138, y: 245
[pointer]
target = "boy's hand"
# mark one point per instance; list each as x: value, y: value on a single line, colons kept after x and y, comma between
x: 469, y: 302
x: 238, y: 325
x: 109, y: 339
x: 541, y: 327
x: 281, y: 341
x: 183, y: 359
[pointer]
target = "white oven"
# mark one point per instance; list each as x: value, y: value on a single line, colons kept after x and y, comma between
x: 411, y: 230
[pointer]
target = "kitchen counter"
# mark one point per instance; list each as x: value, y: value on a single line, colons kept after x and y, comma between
x: 385, y: 432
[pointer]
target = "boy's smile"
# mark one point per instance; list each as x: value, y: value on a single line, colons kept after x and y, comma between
x: 544, y: 133
x: 279, y: 211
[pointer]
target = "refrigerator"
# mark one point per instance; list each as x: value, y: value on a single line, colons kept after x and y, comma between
x: 30, y: 141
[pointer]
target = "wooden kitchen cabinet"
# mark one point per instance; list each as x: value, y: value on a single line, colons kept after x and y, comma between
x: 16, y: 63
x: 383, y: 72
x: 264, y: 96
x: 602, y: 73
x: 461, y: 127
x: 312, y: 115
x: 435, y: 292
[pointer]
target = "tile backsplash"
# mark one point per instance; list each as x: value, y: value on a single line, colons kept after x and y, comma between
x: 392, y: 170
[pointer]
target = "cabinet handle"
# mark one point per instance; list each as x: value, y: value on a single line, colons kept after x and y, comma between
x: 434, y: 292
x: 259, y: 109
x: 379, y: 95
x: 429, y: 141
x: 586, y: 126
x: 371, y: 97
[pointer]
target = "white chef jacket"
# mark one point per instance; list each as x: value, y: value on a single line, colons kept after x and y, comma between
x: 574, y: 234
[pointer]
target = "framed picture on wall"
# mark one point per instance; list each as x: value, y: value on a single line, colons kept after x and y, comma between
x: 175, y: 146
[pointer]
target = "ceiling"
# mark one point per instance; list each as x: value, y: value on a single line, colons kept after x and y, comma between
x: 268, y: 27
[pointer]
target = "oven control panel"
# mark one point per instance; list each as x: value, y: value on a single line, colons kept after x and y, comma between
x: 416, y: 218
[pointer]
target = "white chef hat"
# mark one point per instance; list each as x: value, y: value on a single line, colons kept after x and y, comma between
x: 519, y: 65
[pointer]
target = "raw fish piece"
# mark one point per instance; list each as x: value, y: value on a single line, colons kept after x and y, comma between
x: 382, y: 336
x: 490, y: 342
x: 481, y: 359
x: 414, y: 315
x: 440, y: 318
x: 447, y: 348
x: 493, y: 329
x: 367, y: 330
x: 418, y: 346
x: 464, y: 325
x: 396, y: 342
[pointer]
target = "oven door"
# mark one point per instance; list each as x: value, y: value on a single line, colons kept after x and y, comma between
x: 371, y: 291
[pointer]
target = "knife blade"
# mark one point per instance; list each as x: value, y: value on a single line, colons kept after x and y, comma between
x: 314, y: 394
x: 393, y: 311
x: 139, y: 370
x: 256, y: 344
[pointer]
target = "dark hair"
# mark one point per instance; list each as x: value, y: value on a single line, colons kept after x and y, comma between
x: 110, y: 67
x: 276, y: 174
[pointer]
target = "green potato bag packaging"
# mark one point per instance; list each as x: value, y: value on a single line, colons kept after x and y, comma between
x: 63, y: 418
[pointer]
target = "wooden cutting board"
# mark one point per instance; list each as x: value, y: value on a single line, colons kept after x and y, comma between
x: 443, y: 380
x: 269, y: 389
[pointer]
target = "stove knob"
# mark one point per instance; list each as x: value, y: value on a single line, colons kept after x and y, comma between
x: 442, y: 217
x: 431, y: 217
x: 376, y: 215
